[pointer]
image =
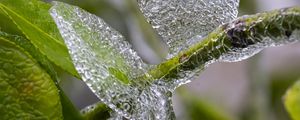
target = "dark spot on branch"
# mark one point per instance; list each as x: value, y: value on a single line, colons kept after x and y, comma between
x: 288, y: 33
x: 239, y: 36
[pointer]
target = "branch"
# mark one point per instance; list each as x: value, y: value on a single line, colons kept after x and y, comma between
x: 228, y: 42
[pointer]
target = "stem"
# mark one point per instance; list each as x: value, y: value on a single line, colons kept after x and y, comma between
x: 237, y: 34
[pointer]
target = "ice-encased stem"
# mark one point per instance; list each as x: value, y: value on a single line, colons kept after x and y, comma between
x: 241, y: 33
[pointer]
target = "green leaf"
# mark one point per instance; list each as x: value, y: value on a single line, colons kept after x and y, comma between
x: 69, y: 111
x: 34, y: 52
x: 33, y: 19
x: 6, y: 25
x: 26, y: 90
x: 292, y: 101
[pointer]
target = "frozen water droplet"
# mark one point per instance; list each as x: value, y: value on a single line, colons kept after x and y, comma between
x: 178, y: 21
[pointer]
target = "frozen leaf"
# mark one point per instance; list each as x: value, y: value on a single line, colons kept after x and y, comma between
x: 109, y: 65
x: 182, y: 23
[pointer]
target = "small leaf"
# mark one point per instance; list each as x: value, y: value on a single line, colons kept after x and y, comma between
x: 292, y: 101
x: 26, y: 90
x: 33, y: 19
x: 182, y: 23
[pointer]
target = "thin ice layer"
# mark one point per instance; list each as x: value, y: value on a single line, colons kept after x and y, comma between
x: 182, y: 23
x: 108, y: 65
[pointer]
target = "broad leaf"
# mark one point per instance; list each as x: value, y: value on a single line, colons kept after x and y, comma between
x: 69, y: 111
x: 33, y: 19
x: 26, y: 90
x: 292, y: 101
x: 33, y: 51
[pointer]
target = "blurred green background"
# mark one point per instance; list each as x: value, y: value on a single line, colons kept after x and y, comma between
x: 249, y: 90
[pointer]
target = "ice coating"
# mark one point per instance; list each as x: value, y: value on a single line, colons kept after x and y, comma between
x: 108, y: 65
x: 245, y: 46
x: 185, y: 75
x: 179, y: 21
x: 239, y: 54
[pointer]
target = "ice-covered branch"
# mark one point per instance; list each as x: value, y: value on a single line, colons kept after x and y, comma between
x: 234, y: 41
